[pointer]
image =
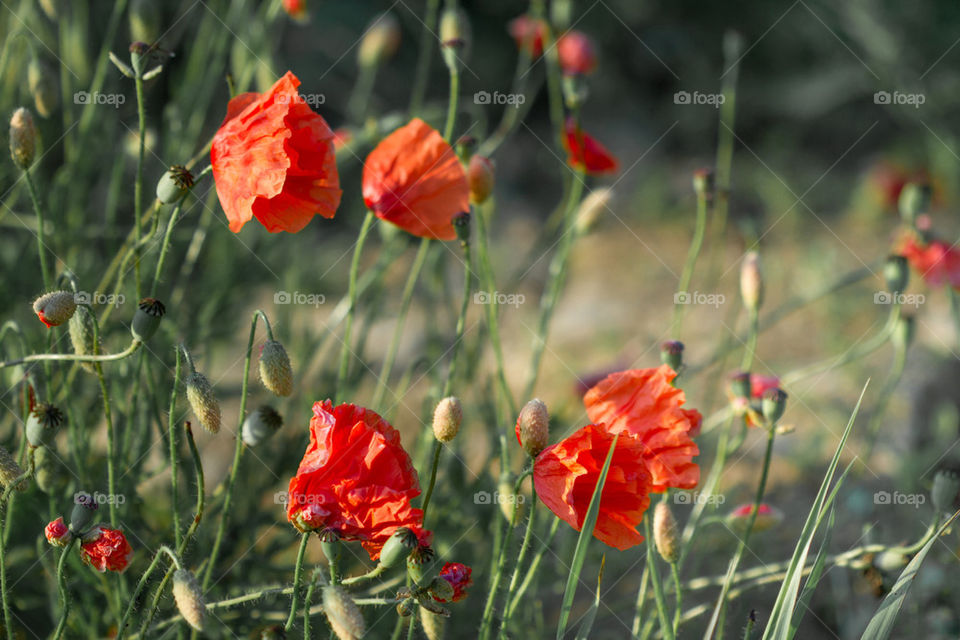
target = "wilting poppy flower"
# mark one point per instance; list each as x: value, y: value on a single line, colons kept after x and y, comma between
x: 584, y: 152
x: 273, y: 159
x: 642, y: 402
x: 458, y: 575
x: 57, y: 533
x: 355, y: 478
x: 577, y: 54
x: 414, y: 180
x: 565, y: 475
x: 110, y: 551
x: 936, y: 261
x: 528, y: 33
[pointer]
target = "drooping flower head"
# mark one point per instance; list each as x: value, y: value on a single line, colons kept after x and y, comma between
x: 273, y: 159
x: 355, y: 478
x: 414, y: 180
x: 936, y: 261
x: 643, y: 403
x: 528, y: 32
x: 565, y: 475
x: 585, y: 152
x: 108, y: 551
x: 458, y: 575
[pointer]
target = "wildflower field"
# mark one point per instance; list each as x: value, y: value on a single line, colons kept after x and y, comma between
x: 584, y: 319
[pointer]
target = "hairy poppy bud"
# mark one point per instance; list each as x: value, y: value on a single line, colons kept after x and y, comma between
x: 914, y: 201
x: 343, y: 614
x: 174, y: 184
x: 397, y: 547
x: 671, y: 354
x: 533, y: 427
x: 146, y: 320
x: 84, y: 509
x: 896, y: 273
x: 751, y: 281
x: 380, y: 42
x: 903, y: 332
x: 144, y: 20
x: 666, y: 533
x: 10, y: 471
x: 81, y: 328
x: 433, y: 624
x: 276, y: 374
x: 43, y: 87
x: 773, y: 405
x: 55, y: 308
x: 455, y: 38
x: 577, y: 53
x: 57, y: 533
x: 23, y: 138
x: 260, y: 425
x: 52, y: 478
x: 592, y: 208
x: 480, y: 174
x: 42, y: 424
x: 203, y: 402
x: 704, y: 183
x: 447, y: 418
x: 946, y: 485
x: 189, y: 598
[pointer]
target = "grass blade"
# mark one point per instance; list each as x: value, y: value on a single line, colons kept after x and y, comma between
x: 815, y: 574
x: 583, y: 633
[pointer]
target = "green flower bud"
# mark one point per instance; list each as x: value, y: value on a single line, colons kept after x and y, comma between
x: 52, y: 477
x: 914, y: 201
x: 380, y: 42
x: 10, y: 471
x: 896, y: 273
x: 447, y: 418
x: 276, y: 374
x: 343, y: 614
x: 146, y: 320
x: 455, y: 38
x: 946, y: 486
x: 82, y: 330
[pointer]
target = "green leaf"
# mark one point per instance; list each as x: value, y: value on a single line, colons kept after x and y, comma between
x: 815, y: 574
x: 580, y: 553
x: 583, y: 633
x: 882, y: 622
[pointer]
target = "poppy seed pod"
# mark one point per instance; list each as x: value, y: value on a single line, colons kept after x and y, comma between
x: 44, y: 87
x: 23, y: 138
x: 455, y: 38
x: 461, y: 225
x: 203, y: 402
x: 418, y: 562
x: 480, y: 177
x: 84, y: 509
x: 751, y: 281
x: 533, y: 427
x: 896, y: 273
x: 330, y: 545
x: 741, y: 385
x: 397, y: 547
x: 147, y: 318
x: 671, y: 354
x: 52, y: 478
x: 174, y: 184
x: 42, y: 424
x: 406, y: 608
x: 82, y: 335
x: 10, y: 471
x: 343, y: 614
x: 189, y: 598
x: 943, y: 494
x: 666, y: 533
x: 55, y: 308
x: 773, y: 405
x: 380, y: 42
x: 592, y: 207
x: 276, y: 374
x: 260, y: 425
x: 447, y: 418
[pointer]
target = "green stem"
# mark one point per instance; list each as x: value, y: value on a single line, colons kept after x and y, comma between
x: 172, y: 431
x: 641, y: 601
x: 679, y: 593
x: 138, y: 185
x: 452, y: 104
x: 688, y: 266
x: 752, y: 336
x: 524, y: 548
x: 534, y: 566
x: 108, y: 418
x: 359, y: 100
x: 62, y: 588
x: 461, y: 320
x: 7, y: 618
x: 427, y: 38
x: 41, y: 246
x: 297, y: 571
x: 666, y: 628
x: 72, y: 357
x: 351, y: 311
x: 437, y: 448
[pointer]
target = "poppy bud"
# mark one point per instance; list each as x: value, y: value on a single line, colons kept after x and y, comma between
x: 10, y: 471
x: 144, y: 20
x: 330, y: 544
x: 343, y: 614
x: 260, y: 425
x: 380, y: 41
x: 455, y: 38
x: 914, y: 201
x: 946, y: 485
x: 447, y: 418
x: 42, y: 424
x: 406, y: 607
x: 43, y: 87
x: 57, y: 533
x: 666, y: 533
x: 203, y: 402
x: 577, y: 53
x: 189, y: 598
x: 418, y: 562
x: 440, y: 589
x: 23, y: 138
x: 461, y: 224
x: 671, y: 354
x: 397, y: 547
x: 903, y: 332
x: 174, y: 184
x: 52, y: 478
x: 740, y: 385
x: 480, y: 178
x: 751, y: 281
x: 896, y: 273
x: 55, y: 308
x: 533, y: 427
x: 890, y: 561
x: 561, y: 13
x: 591, y: 209
x: 84, y: 509
x: 433, y: 624
x: 704, y: 183
x: 146, y: 320
x: 773, y: 405
x: 276, y: 374
x: 82, y: 330
x: 465, y: 147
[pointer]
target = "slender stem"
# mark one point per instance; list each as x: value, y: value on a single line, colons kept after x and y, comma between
x: 688, y: 266
x: 641, y: 601
x: 138, y: 185
x: 370, y: 575
x: 122, y: 626
x: 452, y: 104
x: 72, y: 357
x: 201, y: 488
x: 524, y: 548
x: 108, y: 418
x: 437, y: 448
x: 168, y: 234
x: 752, y: 335
x: 359, y: 100
x: 297, y: 571
x: 351, y: 310
x: 665, y: 626
x: 41, y: 245
x: 172, y: 431
x: 427, y: 38
x: 534, y: 566
x: 461, y: 319
x: 307, y: 599
x: 62, y: 588
x: 7, y: 618
x: 678, y: 587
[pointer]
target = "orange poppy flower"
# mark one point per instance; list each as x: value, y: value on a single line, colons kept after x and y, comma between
x: 110, y: 551
x: 584, y: 152
x: 414, y: 180
x: 565, y: 475
x: 936, y: 261
x: 642, y: 402
x: 355, y: 478
x: 273, y: 159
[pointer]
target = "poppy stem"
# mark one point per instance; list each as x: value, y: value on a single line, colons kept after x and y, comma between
x: 461, y: 321
x: 108, y: 418
x: 351, y: 310
x: 171, y: 428
x: 62, y: 587
x: 297, y: 571
x: 427, y: 37
x: 534, y: 566
x: 41, y: 245
x: 72, y: 357
x: 666, y: 628
x: 138, y: 184
x: 641, y: 601
x: 452, y: 104
x: 7, y: 622
x: 437, y: 448
x: 688, y: 266
x: 524, y: 548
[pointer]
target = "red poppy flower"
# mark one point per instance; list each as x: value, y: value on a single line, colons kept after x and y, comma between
x: 110, y: 551
x: 936, y: 261
x: 57, y: 533
x: 414, y: 180
x: 642, y: 403
x: 355, y: 478
x: 767, y: 517
x: 528, y: 33
x: 273, y: 159
x: 577, y: 53
x: 458, y: 575
x: 565, y: 475
x: 761, y: 384
x: 584, y: 152
x: 296, y: 9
